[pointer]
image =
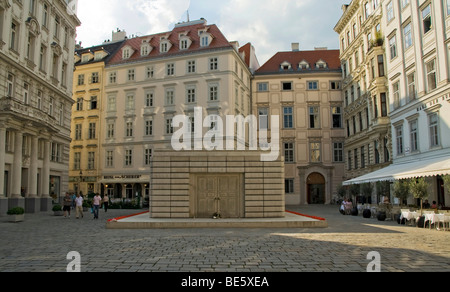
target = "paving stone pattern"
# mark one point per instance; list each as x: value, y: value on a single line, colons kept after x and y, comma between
x: 41, y: 244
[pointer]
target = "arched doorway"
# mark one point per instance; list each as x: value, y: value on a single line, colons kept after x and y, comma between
x: 316, y: 188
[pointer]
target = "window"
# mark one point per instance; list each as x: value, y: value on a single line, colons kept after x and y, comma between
x: 338, y: 152
x: 431, y: 74
x: 336, y: 116
x: 288, y: 152
x: 383, y: 104
x: 56, y: 28
x: 390, y: 11
x: 45, y: 15
x: 213, y: 64
x: 448, y: 8
x: 129, y: 129
x: 287, y: 85
x: 183, y: 44
x: 81, y: 79
x: 129, y: 102
x: 91, y: 133
x: 148, y: 130
x: 407, y: 35
x: 288, y: 122
x: 393, y: 47
x: 170, y: 96
x: 396, y: 94
x: 191, y: 66
x: 128, y: 157
x: 314, y: 117
x: 170, y: 69
x: 164, y: 47
x: 110, y: 130
x: 147, y: 156
x: 112, y: 77
x: 111, y: 103
x: 169, y: 127
x: 355, y: 158
x: 77, y: 161
x: 366, y: 10
x: 426, y: 19
x: 349, y: 160
x: 204, y: 41
x: 39, y: 100
x: 363, y: 157
x: 109, y: 158
x: 434, y: 129
x: 91, y: 160
x: 26, y: 93
x: 190, y: 94
x: 30, y: 47
x: 149, y: 98
x: 263, y: 86
x: 289, y: 186
x: 14, y: 36
x: 375, y: 106
x: 213, y: 92
x: 131, y: 75
x: 78, y: 131
x: 335, y: 85
x: 263, y: 116
x: 95, y: 78
x: 126, y: 53
x: 313, y: 85
x: 93, y: 103
x: 149, y: 72
x: 411, y: 86
x: 413, y: 136
x: 42, y: 58
x: 145, y: 49
x: 399, y: 139
x: 50, y: 106
x: 315, y: 155
x: 405, y: 3
x: 380, y: 59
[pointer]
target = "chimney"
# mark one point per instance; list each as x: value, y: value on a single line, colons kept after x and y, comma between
x: 295, y: 47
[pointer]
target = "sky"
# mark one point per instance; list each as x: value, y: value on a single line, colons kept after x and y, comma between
x: 270, y: 25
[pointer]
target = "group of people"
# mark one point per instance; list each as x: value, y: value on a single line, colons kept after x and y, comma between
x: 346, y: 207
x: 76, y: 202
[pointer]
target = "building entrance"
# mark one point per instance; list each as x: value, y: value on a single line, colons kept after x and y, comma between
x: 316, y: 188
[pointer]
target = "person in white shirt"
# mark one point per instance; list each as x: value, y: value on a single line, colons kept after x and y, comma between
x: 79, y: 206
x: 97, y: 201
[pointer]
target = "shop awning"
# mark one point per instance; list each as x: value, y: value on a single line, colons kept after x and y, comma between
x: 416, y: 168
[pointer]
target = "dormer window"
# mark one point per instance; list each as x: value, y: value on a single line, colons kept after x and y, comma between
x: 204, y: 41
x: 165, y: 45
x: 303, y: 65
x: 145, y: 48
x: 285, y: 66
x: 321, y: 64
x: 85, y: 58
x: 205, y: 38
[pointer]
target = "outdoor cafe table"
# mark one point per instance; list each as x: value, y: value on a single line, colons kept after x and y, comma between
x: 408, y: 215
x: 434, y: 218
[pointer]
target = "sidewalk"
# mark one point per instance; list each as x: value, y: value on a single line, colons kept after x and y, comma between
x: 42, y: 242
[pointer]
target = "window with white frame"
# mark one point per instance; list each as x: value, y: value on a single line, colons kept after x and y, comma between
x: 80, y: 102
x: 190, y: 94
x: 77, y: 161
x: 396, y: 94
x: 109, y: 158
x: 149, y: 72
x: 129, y: 129
x: 213, y: 92
x: 131, y: 75
x: 148, y: 129
x: 191, y: 66
x: 411, y: 79
x: 128, y: 157
x: 91, y: 160
x: 389, y: 11
x: 433, y: 125
x: 39, y: 100
x: 405, y: 3
x: 431, y: 74
x: 313, y: 85
x: 288, y: 148
x: 263, y: 116
x: 393, y: 47
x: 413, y: 134
x: 407, y: 35
x: 399, y: 139
x: 170, y: 69
x: 78, y: 131
x: 314, y: 117
x: 338, y: 152
x: 147, y: 156
x: 169, y: 127
x: 129, y: 102
x: 110, y: 130
x: 426, y: 19
x: 213, y: 64
x: 169, y: 96
x: 26, y: 93
x: 263, y: 86
x: 10, y: 85
x: 288, y: 117
x: 149, y: 98
x: 92, y: 131
x: 112, y: 77
x: 111, y: 106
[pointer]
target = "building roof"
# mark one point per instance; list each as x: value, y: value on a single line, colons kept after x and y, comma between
x: 189, y: 30
x: 109, y: 48
x: 294, y: 58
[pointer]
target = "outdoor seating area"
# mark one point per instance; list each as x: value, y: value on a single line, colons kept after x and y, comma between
x: 410, y: 216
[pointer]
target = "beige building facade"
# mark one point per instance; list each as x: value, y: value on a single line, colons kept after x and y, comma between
x: 368, y: 143
x: 37, y: 40
x: 304, y: 89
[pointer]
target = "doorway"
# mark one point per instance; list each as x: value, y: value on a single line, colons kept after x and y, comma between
x: 217, y: 194
x: 316, y: 188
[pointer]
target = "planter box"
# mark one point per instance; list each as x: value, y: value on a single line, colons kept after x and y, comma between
x: 16, y: 218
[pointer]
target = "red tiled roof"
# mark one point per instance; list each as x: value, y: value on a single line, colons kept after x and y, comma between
x: 331, y: 57
x: 218, y: 41
x: 246, y: 49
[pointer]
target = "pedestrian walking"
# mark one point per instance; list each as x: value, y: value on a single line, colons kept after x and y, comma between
x: 105, y: 202
x: 96, y: 202
x: 79, y: 206
x: 73, y: 201
x: 67, y: 205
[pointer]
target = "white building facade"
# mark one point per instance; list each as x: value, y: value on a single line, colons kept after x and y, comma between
x: 37, y: 41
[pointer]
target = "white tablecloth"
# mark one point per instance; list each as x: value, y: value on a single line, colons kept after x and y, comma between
x: 408, y: 215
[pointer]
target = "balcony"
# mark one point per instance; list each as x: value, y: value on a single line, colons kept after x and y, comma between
x: 21, y: 111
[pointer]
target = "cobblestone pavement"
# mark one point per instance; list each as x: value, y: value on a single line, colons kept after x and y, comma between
x: 42, y: 242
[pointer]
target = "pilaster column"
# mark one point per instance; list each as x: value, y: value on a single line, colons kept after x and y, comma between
x: 17, y: 166
x: 32, y: 185
x: 303, y: 190
x: 46, y: 171
x: 2, y: 161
